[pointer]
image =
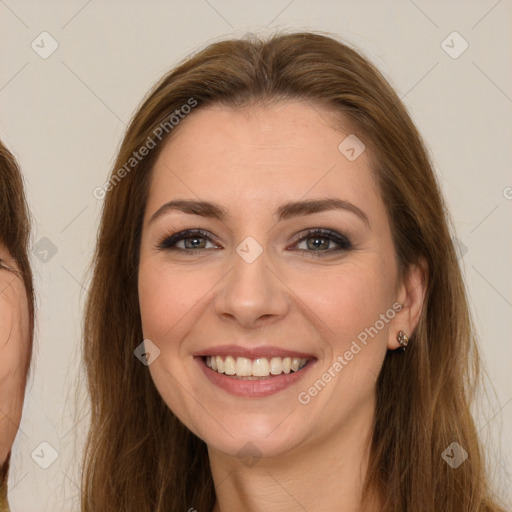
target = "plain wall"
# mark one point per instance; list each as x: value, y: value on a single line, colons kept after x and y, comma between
x: 64, y: 116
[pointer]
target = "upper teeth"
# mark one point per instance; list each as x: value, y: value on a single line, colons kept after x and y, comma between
x: 259, y: 367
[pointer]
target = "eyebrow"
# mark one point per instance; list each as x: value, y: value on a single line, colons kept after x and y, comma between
x: 285, y: 211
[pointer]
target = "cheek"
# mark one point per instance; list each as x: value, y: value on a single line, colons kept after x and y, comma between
x: 171, y: 300
x: 347, y: 304
x: 349, y: 299
x: 168, y: 300
x: 15, y: 347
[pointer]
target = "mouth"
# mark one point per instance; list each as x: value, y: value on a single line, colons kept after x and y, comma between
x: 254, y: 369
x: 253, y: 372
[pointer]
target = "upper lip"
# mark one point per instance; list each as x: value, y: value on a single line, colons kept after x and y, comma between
x: 251, y: 353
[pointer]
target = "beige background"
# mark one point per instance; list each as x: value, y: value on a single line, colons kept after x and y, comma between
x: 64, y: 116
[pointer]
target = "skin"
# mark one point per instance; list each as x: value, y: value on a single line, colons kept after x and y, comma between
x: 251, y: 161
x: 15, y: 350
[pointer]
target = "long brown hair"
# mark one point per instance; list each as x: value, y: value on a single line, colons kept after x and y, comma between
x: 139, y: 457
x: 14, y: 236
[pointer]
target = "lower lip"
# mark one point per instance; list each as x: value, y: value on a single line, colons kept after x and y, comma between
x: 253, y: 388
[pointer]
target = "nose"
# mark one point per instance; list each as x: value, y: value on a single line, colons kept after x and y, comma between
x: 252, y: 293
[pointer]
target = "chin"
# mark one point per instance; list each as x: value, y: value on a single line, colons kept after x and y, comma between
x: 263, y: 436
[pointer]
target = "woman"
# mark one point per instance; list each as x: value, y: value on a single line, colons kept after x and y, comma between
x: 16, y: 308
x: 272, y: 238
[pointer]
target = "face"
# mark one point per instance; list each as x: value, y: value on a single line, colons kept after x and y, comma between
x: 15, y: 350
x: 277, y: 258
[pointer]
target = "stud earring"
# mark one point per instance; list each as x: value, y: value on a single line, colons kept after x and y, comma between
x: 403, y: 339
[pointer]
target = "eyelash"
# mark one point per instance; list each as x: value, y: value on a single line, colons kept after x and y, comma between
x: 169, y: 242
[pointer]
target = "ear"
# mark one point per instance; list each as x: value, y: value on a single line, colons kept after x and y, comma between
x: 411, y: 295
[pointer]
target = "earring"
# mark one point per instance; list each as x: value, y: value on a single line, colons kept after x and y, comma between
x: 403, y: 339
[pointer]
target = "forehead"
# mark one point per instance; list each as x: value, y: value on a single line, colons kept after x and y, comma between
x: 260, y: 154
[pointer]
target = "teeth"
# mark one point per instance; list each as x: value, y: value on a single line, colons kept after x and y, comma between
x: 229, y: 366
x: 276, y: 366
x: 243, y: 367
x: 259, y: 367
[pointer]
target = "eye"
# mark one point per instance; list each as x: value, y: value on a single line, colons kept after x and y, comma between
x: 4, y: 266
x: 317, y: 242
x: 320, y: 242
x: 189, y: 240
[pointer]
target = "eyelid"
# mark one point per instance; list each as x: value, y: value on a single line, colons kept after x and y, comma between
x: 344, y: 243
x: 168, y: 241
x: 339, y: 238
x: 5, y: 266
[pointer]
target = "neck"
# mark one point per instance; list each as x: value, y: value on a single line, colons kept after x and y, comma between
x: 326, y: 475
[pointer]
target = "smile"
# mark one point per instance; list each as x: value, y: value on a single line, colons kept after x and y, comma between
x: 254, y: 376
x: 252, y: 369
